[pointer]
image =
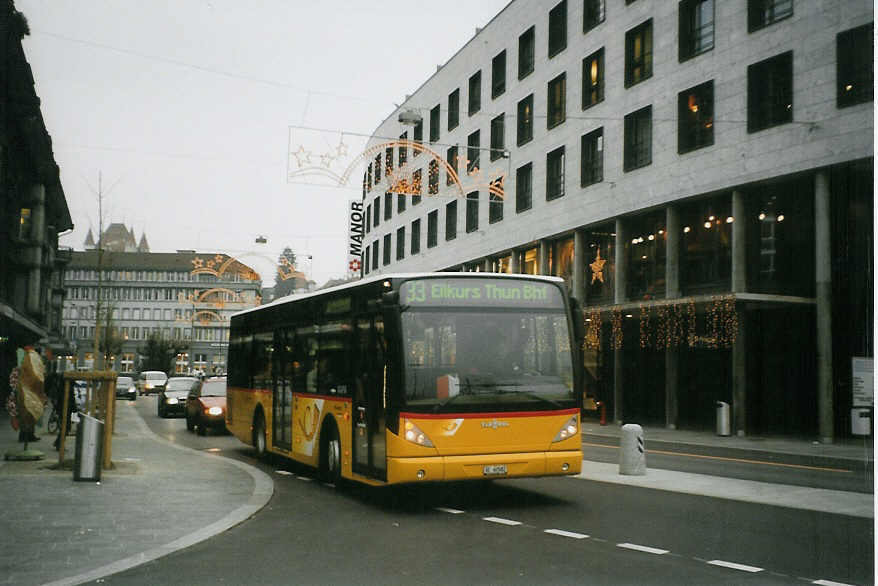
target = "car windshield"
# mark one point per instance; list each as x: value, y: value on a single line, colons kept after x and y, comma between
x: 181, y: 384
x: 124, y: 381
x: 487, y: 359
x: 213, y: 388
x: 155, y: 376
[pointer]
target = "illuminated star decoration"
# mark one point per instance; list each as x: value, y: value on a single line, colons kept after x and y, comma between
x: 218, y: 259
x: 198, y: 262
x: 285, y: 270
x: 303, y: 157
x: 326, y: 159
x: 342, y: 149
x: 354, y: 265
x: 597, y: 268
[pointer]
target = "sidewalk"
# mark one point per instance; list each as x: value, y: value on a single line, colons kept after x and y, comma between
x: 158, y: 499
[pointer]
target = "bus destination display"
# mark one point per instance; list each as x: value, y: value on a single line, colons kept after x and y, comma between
x: 480, y: 292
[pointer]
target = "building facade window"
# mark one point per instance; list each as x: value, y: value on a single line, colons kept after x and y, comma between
x: 761, y: 13
x: 417, y: 136
x: 386, y: 259
x: 400, y: 243
x: 592, y: 152
x: 695, y: 118
x: 415, y: 246
x: 594, y: 13
x: 366, y: 260
x: 495, y: 207
x: 417, y: 186
x: 400, y: 202
x: 525, y: 120
x: 388, y: 161
x: 388, y: 205
x: 473, y: 149
x: 770, y: 92
x: 646, y: 250
x: 433, y: 177
x: 600, y: 264
x: 855, y: 68
x: 434, y: 123
x: 557, y: 101
x: 378, y: 165
x: 451, y: 159
x: 555, y: 174
x: 376, y: 209
x: 369, y: 178
x: 524, y: 188
x: 638, y: 139
x: 403, y: 151
x: 706, y: 247
x: 526, y: 53
x: 498, y: 74
x: 558, y: 28
x: 453, y: 109
x: 696, y: 28
x: 472, y: 211
x: 498, y: 138
x: 475, y: 93
x: 375, y: 249
x: 451, y: 220
x: 561, y: 260
x: 638, y: 54
x: 593, y: 79
x: 432, y: 229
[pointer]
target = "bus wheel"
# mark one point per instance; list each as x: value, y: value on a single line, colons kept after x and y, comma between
x: 259, y: 435
x: 330, y: 456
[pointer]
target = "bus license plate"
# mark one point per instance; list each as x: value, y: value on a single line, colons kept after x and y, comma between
x: 495, y: 470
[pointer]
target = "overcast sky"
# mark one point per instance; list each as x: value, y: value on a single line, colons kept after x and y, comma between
x: 184, y: 109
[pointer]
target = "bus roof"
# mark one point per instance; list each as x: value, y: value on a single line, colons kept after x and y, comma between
x: 358, y: 282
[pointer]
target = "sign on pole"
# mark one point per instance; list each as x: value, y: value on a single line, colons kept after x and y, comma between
x: 355, y: 237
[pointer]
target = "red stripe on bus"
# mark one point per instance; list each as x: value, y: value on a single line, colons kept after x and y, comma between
x: 246, y: 390
x: 486, y: 415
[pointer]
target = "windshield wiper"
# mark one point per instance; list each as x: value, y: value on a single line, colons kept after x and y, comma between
x: 530, y: 394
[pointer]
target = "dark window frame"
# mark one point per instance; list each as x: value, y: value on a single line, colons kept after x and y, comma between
x: 454, y: 109
x: 417, y: 136
x: 498, y: 74
x: 593, y: 91
x: 417, y: 186
x: 638, y: 149
x: 638, y: 68
x: 764, y: 13
x: 556, y: 173
x: 524, y: 188
x: 526, y: 52
x: 415, y: 244
x: 474, y: 97
x: 472, y: 211
x: 498, y: 137
x: 556, y: 101
x: 451, y: 220
x: 557, y: 37
x: 594, y: 12
x: 770, y: 92
x: 855, y: 67
x: 388, y: 205
x: 385, y: 260
x: 694, y: 38
x: 473, y: 152
x: 591, y: 169
x: 400, y: 243
x: 434, y: 123
x: 433, y: 229
x: 695, y: 118
x: 525, y: 120
x: 452, y: 158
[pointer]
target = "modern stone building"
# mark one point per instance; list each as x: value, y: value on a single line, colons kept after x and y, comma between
x: 185, y: 297
x: 699, y: 172
x: 33, y: 209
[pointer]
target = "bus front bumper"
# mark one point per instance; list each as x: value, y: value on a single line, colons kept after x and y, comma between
x: 483, y: 466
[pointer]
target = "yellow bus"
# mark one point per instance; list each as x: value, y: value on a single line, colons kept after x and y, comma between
x: 413, y: 378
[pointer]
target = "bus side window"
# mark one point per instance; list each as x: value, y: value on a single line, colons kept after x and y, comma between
x: 305, y: 361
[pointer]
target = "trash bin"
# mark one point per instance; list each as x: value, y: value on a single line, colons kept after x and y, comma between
x: 723, y: 419
x: 861, y: 421
x: 89, y: 445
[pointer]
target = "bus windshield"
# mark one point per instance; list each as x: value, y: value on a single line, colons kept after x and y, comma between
x: 486, y: 359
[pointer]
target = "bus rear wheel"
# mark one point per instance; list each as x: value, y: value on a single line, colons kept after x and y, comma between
x: 259, y: 441
x: 330, y: 455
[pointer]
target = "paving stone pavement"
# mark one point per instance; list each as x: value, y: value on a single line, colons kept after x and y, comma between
x: 159, y: 498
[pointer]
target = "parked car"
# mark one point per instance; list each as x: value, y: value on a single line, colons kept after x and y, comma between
x: 206, y: 406
x: 151, y: 381
x: 125, y: 388
x: 172, y: 398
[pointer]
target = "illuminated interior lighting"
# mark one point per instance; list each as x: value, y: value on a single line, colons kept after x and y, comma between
x: 712, y: 218
x: 707, y: 224
x: 762, y: 215
x: 643, y: 257
x: 661, y: 231
x: 629, y: 315
x: 687, y: 229
x: 652, y: 236
x: 848, y: 87
x: 780, y: 217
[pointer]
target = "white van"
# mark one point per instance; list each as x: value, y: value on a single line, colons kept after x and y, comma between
x: 151, y: 381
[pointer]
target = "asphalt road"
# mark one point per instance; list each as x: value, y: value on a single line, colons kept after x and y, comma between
x: 532, y: 531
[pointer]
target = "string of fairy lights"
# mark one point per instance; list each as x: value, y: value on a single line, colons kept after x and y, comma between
x: 668, y: 325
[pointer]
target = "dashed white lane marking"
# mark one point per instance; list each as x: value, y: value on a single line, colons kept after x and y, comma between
x: 284, y: 472
x: 447, y: 510
x: 734, y: 566
x: 642, y: 548
x: 829, y: 583
x: 501, y: 521
x: 305, y: 478
x: 563, y: 533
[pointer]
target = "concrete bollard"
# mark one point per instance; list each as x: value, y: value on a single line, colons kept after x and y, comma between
x: 632, y: 454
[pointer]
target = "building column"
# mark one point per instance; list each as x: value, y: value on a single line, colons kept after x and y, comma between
x: 672, y: 291
x: 35, y: 252
x: 579, y: 266
x: 513, y: 263
x: 543, y: 269
x: 620, y: 279
x: 486, y: 265
x: 823, y: 273
x: 739, y: 285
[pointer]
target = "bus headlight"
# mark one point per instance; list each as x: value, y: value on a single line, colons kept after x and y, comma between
x: 413, y: 433
x: 567, y: 430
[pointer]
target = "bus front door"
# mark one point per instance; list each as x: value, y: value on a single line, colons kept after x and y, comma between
x: 369, y: 424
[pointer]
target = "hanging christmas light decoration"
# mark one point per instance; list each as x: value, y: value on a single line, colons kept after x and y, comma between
x: 644, y: 326
x: 616, y: 321
x: 592, y: 330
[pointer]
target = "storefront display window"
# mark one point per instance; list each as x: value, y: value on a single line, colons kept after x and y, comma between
x: 706, y: 245
x: 646, y: 256
x: 562, y: 261
x: 600, y: 265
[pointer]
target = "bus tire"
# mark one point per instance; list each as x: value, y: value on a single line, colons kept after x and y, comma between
x: 330, y: 454
x: 259, y: 440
